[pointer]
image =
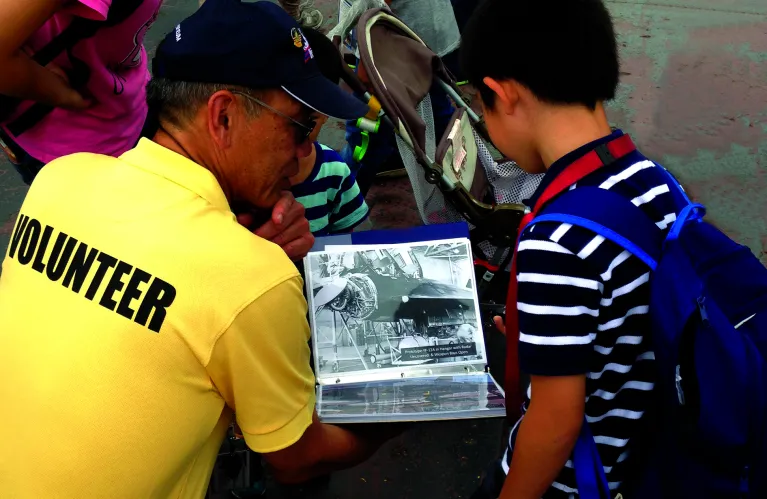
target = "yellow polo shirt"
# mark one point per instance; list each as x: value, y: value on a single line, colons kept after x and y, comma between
x: 135, y: 315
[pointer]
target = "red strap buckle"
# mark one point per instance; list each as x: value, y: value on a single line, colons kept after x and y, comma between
x: 487, y: 265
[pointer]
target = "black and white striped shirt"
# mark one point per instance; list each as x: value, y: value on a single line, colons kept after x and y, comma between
x: 583, y: 309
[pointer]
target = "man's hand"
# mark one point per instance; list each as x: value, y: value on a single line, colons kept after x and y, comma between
x: 377, y: 434
x: 325, y: 448
x: 287, y: 227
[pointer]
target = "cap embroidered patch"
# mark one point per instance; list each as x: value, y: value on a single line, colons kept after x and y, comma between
x: 297, y: 37
x: 308, y: 52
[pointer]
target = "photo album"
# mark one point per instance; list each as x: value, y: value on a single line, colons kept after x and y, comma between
x: 396, y: 332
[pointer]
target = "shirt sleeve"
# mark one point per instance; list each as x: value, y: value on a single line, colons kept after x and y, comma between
x: 558, y: 299
x: 260, y: 365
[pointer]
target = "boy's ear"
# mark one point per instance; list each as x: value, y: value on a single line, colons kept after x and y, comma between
x: 320, y: 120
x: 506, y: 93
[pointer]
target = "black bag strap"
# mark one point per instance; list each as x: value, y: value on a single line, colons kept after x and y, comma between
x: 78, y: 30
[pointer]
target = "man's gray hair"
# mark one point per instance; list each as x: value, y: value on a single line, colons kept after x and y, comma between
x: 177, y: 102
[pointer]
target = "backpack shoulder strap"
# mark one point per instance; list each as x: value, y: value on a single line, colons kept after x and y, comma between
x: 589, y: 472
x: 611, y: 216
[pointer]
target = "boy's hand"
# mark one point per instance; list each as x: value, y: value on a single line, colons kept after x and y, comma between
x: 499, y: 324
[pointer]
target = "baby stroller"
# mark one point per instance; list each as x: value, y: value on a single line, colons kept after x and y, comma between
x: 454, y: 177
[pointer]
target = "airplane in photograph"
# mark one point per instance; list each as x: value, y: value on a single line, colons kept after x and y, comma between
x: 385, y: 288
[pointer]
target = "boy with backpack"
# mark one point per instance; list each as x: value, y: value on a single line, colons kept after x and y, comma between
x: 623, y: 304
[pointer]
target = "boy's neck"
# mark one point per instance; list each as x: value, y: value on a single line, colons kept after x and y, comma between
x: 565, y: 129
x: 305, y: 167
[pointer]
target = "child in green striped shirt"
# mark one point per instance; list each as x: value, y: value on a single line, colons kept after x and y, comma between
x: 325, y: 185
x: 327, y: 189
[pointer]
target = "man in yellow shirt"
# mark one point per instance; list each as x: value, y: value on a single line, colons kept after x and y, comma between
x: 137, y: 314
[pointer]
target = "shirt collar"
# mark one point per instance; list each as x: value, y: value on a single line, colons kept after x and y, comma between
x: 158, y: 160
x: 562, y: 163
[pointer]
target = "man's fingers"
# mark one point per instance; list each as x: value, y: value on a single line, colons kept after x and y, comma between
x: 286, y: 212
x: 296, y: 240
x: 283, y: 208
x: 499, y: 324
x: 287, y: 227
x: 299, y: 248
x: 267, y: 231
x: 294, y: 211
x: 295, y: 230
x: 245, y: 219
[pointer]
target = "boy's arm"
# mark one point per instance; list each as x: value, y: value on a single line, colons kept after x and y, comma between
x: 349, y: 209
x: 546, y: 436
x: 558, y: 298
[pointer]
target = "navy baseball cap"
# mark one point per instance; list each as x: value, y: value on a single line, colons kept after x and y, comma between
x: 254, y: 45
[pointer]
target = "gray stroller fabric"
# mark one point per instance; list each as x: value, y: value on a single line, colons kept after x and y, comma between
x: 406, y: 69
x: 351, y: 14
x: 511, y: 184
x: 433, y: 21
x: 401, y: 70
x: 431, y: 203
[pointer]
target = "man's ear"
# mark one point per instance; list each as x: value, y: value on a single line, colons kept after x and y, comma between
x: 220, y: 118
x: 507, y: 95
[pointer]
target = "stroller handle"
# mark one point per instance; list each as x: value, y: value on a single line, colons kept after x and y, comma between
x: 498, y: 222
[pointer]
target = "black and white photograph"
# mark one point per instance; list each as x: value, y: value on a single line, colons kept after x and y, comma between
x: 411, y: 399
x: 384, y: 307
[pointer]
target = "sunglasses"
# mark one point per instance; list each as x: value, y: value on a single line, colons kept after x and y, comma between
x: 303, y: 130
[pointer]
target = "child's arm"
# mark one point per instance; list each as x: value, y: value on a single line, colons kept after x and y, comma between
x: 559, y: 299
x: 547, y: 435
x: 350, y: 209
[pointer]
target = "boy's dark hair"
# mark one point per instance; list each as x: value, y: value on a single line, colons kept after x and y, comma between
x: 564, y: 51
x: 326, y: 54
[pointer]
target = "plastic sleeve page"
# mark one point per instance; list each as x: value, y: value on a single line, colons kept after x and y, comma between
x: 415, y: 399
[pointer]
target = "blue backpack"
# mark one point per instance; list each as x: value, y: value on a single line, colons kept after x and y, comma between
x: 708, y: 310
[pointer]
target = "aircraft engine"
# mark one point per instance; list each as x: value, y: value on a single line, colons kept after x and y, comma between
x: 359, y: 298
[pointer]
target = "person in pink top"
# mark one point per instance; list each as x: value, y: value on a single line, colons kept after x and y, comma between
x: 91, y: 97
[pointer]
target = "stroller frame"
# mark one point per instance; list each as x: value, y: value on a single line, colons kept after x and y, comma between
x: 496, y: 223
